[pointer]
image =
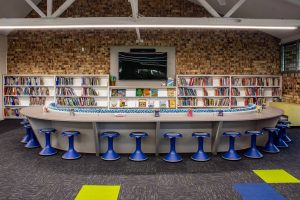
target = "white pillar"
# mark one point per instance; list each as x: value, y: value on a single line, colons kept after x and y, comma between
x: 3, y: 68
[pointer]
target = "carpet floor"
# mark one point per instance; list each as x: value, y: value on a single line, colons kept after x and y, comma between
x: 26, y: 175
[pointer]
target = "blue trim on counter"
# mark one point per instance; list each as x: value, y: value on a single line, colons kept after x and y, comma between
x: 54, y: 106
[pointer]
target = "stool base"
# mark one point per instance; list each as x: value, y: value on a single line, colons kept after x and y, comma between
x: 253, y: 153
x: 172, y: 157
x: 31, y: 144
x: 231, y: 155
x: 200, y: 156
x: 282, y: 144
x: 287, y: 139
x: 48, y: 151
x: 110, y: 155
x: 71, y: 155
x: 271, y: 149
x: 25, y: 139
x: 138, y: 156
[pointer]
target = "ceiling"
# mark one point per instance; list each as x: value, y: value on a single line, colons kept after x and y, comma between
x: 255, y: 9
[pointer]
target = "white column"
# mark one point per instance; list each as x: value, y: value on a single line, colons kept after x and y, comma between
x: 3, y: 68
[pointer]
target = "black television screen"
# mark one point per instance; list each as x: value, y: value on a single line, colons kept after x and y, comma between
x: 143, y: 65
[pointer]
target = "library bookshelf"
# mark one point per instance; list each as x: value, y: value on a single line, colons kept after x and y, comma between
x: 227, y: 91
x: 93, y: 91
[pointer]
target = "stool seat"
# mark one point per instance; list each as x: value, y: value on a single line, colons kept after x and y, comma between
x: 232, y: 134
x: 279, y: 142
x: 47, y: 130
x: 48, y: 150
x: 254, y: 132
x: 138, y: 134
x: 173, y: 135
x: 24, y: 122
x: 200, y: 134
x: 110, y: 134
x: 138, y: 154
x: 281, y: 126
x: 110, y: 154
x: 284, y: 122
x: 71, y: 133
x: 71, y: 153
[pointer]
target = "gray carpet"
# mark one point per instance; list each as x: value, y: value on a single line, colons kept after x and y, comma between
x: 26, y: 175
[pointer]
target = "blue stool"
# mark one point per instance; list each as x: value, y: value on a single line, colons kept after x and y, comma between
x: 285, y: 137
x: 253, y: 152
x: 172, y: 156
x: 280, y: 142
x: 231, y: 154
x: 270, y: 146
x: 71, y: 153
x: 110, y: 154
x: 200, y: 155
x: 32, y: 143
x: 48, y: 150
x: 138, y: 154
x: 26, y: 137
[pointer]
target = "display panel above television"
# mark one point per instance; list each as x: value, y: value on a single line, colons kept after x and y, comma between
x: 143, y: 65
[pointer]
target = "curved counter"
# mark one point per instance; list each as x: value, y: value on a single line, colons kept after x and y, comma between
x: 89, y: 124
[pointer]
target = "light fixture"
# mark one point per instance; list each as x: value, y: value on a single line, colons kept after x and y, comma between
x: 153, y: 26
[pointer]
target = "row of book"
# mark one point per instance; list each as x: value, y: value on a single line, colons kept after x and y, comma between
x: 65, y: 91
x: 12, y: 112
x: 87, y: 91
x: 76, y: 101
x: 254, y: 91
x: 10, y: 80
x: 188, y: 101
x: 37, y: 101
x: 27, y: 91
x: 64, y: 80
x: 187, y: 92
x: 276, y: 91
x: 216, y: 102
x: 258, y: 81
x: 196, y: 81
x: 221, y: 91
x: 11, y: 101
x: 90, y: 81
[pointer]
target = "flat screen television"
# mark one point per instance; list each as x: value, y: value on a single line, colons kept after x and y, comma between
x: 143, y: 65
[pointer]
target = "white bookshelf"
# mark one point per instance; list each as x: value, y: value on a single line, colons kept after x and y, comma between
x: 265, y: 90
x: 89, y: 91
x: 164, y: 95
x: 26, y: 90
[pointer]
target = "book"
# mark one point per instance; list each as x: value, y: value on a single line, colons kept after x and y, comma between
x: 114, y: 92
x: 121, y: 92
x: 142, y: 103
x: 171, y: 92
x: 151, y: 104
x: 147, y: 92
x: 162, y: 103
x: 172, y: 103
x: 154, y: 92
x: 139, y: 92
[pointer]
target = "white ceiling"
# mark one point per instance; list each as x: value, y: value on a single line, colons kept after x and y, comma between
x: 256, y: 9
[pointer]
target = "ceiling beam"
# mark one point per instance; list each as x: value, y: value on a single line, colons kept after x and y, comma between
x: 135, y: 14
x: 63, y: 8
x: 146, y: 22
x: 34, y: 7
x: 209, y: 8
x: 49, y: 7
x: 234, y: 8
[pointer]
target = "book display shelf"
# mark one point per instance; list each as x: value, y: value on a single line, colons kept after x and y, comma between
x: 26, y: 90
x: 216, y: 91
x: 143, y: 97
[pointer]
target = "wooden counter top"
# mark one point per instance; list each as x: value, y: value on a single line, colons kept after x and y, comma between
x: 37, y: 113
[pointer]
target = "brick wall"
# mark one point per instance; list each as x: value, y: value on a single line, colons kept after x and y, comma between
x: 197, y: 51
